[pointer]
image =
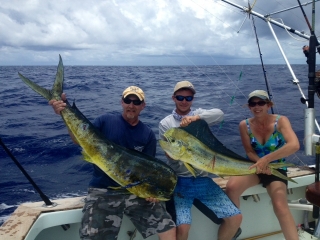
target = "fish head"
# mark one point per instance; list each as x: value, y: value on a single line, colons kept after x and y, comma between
x: 174, y: 149
x: 160, y: 193
x: 174, y: 146
x: 159, y: 186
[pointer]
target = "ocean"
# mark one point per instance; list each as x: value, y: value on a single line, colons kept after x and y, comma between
x: 38, y: 138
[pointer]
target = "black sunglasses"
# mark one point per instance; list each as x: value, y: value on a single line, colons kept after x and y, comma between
x: 135, y: 102
x: 260, y: 103
x: 187, y: 98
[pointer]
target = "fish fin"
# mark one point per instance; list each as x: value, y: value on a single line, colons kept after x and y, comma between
x: 201, y: 130
x: 280, y: 165
x: 116, y: 188
x: 57, y: 88
x: 133, y: 184
x: 280, y: 175
x: 86, y: 157
x: 221, y: 176
x: 190, y: 168
x: 127, y: 186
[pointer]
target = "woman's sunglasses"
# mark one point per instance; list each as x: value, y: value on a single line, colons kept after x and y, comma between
x: 187, y: 98
x: 128, y: 101
x: 260, y: 103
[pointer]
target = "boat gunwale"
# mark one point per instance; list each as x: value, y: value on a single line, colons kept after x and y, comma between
x: 17, y: 227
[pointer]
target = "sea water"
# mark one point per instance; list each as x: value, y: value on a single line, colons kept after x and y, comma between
x: 38, y: 138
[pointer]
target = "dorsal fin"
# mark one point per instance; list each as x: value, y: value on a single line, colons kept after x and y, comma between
x: 201, y: 131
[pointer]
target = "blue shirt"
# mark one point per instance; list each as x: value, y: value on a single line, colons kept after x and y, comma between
x: 139, y: 137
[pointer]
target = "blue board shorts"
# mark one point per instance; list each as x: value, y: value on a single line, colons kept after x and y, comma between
x: 205, y: 190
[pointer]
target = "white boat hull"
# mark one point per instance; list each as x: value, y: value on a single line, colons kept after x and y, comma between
x: 33, y: 221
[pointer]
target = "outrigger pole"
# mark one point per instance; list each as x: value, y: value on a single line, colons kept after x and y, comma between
x: 268, y: 19
x: 300, y: 5
x: 271, y: 21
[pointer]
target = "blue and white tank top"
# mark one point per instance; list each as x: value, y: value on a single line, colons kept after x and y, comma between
x: 275, y: 142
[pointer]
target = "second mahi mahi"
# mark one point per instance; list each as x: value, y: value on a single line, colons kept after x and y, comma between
x: 209, y: 154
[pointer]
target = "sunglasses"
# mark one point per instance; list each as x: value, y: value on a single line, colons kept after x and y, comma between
x: 135, y: 102
x: 260, y: 103
x: 187, y: 98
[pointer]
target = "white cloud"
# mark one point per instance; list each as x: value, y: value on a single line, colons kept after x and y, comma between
x: 139, y: 32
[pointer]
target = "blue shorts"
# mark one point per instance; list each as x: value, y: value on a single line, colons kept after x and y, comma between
x: 205, y: 190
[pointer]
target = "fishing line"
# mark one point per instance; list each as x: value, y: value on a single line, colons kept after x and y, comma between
x: 288, y: 32
x: 267, y: 82
x: 262, y: 64
x: 232, y: 97
x: 225, y: 73
x: 216, y: 84
x: 291, y: 8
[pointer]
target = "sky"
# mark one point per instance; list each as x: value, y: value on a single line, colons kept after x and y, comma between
x: 148, y: 32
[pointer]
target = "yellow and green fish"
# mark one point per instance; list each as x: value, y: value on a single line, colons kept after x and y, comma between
x: 140, y: 174
x: 209, y: 154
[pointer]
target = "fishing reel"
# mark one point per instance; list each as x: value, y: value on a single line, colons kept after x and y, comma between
x: 316, y: 87
x: 317, y: 83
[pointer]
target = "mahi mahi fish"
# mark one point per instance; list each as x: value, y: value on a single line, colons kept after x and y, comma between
x: 197, y: 147
x: 139, y: 173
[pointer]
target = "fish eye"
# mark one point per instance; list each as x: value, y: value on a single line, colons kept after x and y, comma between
x: 160, y: 192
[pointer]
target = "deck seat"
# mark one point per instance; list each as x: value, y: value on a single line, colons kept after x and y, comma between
x: 313, y: 193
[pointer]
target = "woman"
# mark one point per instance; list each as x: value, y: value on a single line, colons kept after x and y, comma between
x: 266, y: 138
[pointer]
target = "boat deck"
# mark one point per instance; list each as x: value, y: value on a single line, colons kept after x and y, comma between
x: 19, y: 223
x: 279, y: 236
x: 24, y: 217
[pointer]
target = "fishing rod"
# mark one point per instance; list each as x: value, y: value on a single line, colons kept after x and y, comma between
x: 311, y: 138
x: 271, y: 22
x: 47, y: 201
x: 264, y: 71
x: 42, y: 195
x: 309, y: 26
x: 311, y: 88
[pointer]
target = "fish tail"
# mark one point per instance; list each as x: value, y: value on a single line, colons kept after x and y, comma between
x: 280, y: 175
x: 57, y: 88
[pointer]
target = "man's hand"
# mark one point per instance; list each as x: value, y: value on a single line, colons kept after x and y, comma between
x: 187, y: 120
x: 58, y: 105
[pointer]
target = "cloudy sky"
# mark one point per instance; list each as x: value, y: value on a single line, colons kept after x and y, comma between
x: 146, y: 32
